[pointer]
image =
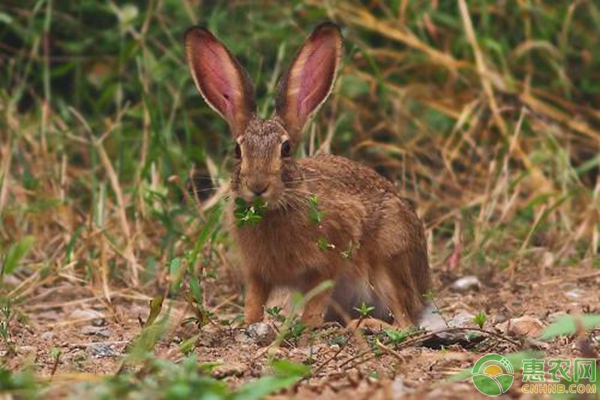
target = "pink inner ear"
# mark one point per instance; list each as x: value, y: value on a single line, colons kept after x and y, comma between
x: 316, y: 78
x: 214, y: 76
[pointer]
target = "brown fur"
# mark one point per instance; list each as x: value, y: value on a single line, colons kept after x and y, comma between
x: 388, y: 266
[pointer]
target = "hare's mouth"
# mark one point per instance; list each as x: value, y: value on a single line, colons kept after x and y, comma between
x: 262, y: 194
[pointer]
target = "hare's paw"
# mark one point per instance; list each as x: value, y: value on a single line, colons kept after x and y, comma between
x: 253, y: 314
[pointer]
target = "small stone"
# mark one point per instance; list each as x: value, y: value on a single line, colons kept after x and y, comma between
x: 26, y: 350
x: 101, y: 350
x: 50, y: 315
x: 576, y: 294
x: 231, y: 369
x: 258, y: 333
x: 431, y: 319
x: 466, y: 284
x: 98, y: 322
x: 523, y: 326
x: 92, y: 330
x: 49, y: 335
x: 86, y: 315
x: 461, y: 319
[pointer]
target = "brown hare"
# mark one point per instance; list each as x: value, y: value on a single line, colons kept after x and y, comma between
x: 325, y: 217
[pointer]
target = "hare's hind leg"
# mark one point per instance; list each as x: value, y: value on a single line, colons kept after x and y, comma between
x: 408, y: 274
x: 399, y: 264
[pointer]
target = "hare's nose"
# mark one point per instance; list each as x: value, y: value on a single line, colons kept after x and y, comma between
x: 258, y: 188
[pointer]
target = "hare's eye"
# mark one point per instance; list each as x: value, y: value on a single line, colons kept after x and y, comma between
x: 238, y: 151
x: 286, y: 149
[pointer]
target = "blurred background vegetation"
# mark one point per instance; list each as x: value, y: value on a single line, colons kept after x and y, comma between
x: 486, y: 113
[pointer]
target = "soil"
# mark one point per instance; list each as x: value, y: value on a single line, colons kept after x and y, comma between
x: 92, y: 333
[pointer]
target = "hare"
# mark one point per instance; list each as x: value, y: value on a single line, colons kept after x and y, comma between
x: 326, y: 217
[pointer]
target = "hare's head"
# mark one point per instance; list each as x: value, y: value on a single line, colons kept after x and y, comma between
x: 265, y: 147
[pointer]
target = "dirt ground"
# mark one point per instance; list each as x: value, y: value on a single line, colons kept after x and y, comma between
x: 91, y: 335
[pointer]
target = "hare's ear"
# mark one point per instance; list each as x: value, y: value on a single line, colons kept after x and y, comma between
x: 309, y: 80
x: 220, y: 78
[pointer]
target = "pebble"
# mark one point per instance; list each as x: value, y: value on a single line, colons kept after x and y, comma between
x: 258, y: 333
x: 523, y: 326
x: 101, y: 350
x: 93, y: 330
x: 431, y: 319
x: 461, y: 319
x: 49, y: 335
x: 230, y: 369
x: 26, y: 350
x: 466, y: 284
x: 86, y: 314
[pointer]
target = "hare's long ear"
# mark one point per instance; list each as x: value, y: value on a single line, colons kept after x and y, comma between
x: 309, y: 80
x: 220, y: 78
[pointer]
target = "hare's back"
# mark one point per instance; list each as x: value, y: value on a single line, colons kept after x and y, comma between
x: 326, y: 172
x: 389, y: 223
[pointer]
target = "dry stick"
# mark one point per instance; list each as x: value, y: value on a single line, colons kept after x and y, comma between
x: 428, y: 335
x: 481, y: 67
x: 121, y: 209
x: 323, y: 365
x: 390, y: 351
x: 360, y: 17
x: 488, y: 90
x: 146, y: 113
x: 114, y: 181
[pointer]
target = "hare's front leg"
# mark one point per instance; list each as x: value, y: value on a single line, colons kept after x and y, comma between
x: 257, y: 295
x: 316, y: 306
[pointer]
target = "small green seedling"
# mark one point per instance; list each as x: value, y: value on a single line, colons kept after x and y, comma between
x: 480, y: 319
x: 249, y: 215
x: 364, y: 310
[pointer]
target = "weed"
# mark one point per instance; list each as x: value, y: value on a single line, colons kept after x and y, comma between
x: 275, y: 312
x: 315, y: 215
x: 6, y: 316
x: 249, y: 214
x: 364, y: 310
x: 480, y: 319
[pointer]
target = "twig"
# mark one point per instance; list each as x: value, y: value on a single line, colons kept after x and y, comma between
x: 323, y: 365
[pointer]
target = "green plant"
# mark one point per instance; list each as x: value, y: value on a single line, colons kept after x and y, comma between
x: 6, y: 316
x: 249, y: 214
x: 21, y: 384
x: 315, y: 215
x: 161, y: 379
x: 15, y: 253
x: 275, y: 312
x: 480, y: 319
x: 567, y: 325
x: 364, y: 310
